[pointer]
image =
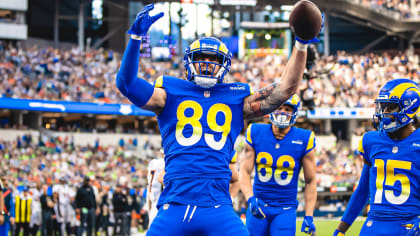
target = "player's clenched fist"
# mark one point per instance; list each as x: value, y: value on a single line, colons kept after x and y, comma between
x: 255, y: 206
x: 143, y: 21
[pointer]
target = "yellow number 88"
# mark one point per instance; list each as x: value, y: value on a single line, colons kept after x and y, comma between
x: 268, y: 167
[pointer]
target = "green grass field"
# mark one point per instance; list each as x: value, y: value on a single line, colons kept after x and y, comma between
x: 327, y: 227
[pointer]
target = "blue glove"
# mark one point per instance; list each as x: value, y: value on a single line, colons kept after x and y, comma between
x: 143, y: 21
x: 415, y: 230
x: 308, y: 225
x: 255, y: 207
x: 338, y: 233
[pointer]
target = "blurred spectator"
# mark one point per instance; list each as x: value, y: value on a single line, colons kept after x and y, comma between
x: 103, y: 218
x: 63, y: 208
x: 47, y: 206
x: 36, y: 217
x: 120, y: 203
x: 58, y: 217
x: 9, y: 207
x: 23, y: 211
x: 86, y: 207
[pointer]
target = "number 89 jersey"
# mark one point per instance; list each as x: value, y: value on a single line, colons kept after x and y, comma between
x: 394, y: 178
x: 199, y: 127
x: 278, y: 162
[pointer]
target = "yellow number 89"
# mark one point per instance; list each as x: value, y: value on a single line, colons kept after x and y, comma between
x: 194, y: 121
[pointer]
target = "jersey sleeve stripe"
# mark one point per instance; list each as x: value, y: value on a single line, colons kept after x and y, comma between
x: 234, y: 158
x: 360, y: 149
x: 248, y: 134
x: 311, y: 142
x: 251, y: 90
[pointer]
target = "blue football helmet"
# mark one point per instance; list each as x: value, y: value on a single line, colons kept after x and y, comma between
x: 200, y: 50
x: 285, y: 119
x: 397, y: 103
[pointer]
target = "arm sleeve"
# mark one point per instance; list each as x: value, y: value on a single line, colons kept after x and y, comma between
x: 138, y: 91
x: 359, y: 197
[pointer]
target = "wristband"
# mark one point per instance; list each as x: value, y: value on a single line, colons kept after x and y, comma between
x: 300, y: 46
x: 135, y: 37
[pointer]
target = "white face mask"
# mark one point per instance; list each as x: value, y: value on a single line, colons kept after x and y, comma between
x: 281, y: 120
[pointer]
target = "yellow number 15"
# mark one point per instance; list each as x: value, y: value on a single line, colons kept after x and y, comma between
x: 390, y: 179
x: 194, y: 121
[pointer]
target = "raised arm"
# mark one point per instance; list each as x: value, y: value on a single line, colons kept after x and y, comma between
x: 271, y: 97
x: 140, y: 92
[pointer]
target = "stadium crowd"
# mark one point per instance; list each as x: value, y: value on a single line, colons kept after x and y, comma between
x: 407, y: 9
x: 58, y: 169
x: 342, y: 80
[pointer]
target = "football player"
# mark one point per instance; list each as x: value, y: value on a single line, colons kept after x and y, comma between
x: 199, y: 119
x: 391, y: 174
x: 154, y: 187
x: 278, y: 151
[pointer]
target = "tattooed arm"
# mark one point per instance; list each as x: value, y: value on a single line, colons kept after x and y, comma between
x: 271, y: 97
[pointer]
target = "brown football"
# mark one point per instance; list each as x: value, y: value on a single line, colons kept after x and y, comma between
x: 305, y: 20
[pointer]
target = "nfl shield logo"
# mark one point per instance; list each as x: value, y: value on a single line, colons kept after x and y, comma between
x: 207, y: 94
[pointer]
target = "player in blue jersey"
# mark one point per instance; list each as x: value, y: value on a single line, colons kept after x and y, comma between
x: 278, y: 151
x: 391, y: 174
x: 199, y: 120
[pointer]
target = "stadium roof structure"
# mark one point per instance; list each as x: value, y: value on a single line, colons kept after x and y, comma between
x: 388, y: 22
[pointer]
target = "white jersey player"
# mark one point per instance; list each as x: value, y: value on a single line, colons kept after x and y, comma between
x: 154, y: 187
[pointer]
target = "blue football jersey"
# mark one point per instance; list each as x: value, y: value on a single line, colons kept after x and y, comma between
x: 199, y: 127
x: 278, y: 162
x: 394, y: 178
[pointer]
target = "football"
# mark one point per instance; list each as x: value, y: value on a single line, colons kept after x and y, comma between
x: 305, y: 20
